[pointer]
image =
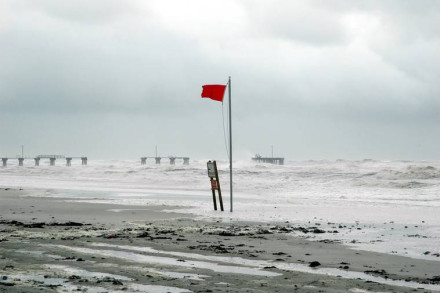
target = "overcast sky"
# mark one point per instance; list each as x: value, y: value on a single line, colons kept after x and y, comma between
x: 316, y: 79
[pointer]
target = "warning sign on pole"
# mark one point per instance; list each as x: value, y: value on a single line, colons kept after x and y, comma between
x: 215, y: 183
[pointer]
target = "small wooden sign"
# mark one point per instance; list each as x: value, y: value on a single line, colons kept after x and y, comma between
x: 215, y: 183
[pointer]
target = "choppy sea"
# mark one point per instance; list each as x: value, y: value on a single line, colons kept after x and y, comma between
x: 386, y: 206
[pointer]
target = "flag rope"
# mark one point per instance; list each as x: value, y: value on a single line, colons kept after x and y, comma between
x: 224, y: 132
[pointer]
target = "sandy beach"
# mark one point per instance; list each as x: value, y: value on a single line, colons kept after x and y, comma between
x: 53, y: 245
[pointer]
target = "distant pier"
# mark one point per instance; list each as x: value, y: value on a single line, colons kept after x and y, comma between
x: 270, y: 160
x: 52, y: 159
x: 171, y: 158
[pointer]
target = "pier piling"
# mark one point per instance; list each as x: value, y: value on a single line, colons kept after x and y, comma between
x: 68, y: 162
x: 52, y: 159
x: 171, y: 158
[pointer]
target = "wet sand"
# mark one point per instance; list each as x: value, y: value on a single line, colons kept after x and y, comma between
x: 56, y: 245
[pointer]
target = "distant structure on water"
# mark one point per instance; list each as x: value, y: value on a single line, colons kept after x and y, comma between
x: 271, y: 160
x: 172, y: 160
x: 52, y: 159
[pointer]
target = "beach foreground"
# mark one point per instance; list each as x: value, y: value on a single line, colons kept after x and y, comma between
x: 51, y: 245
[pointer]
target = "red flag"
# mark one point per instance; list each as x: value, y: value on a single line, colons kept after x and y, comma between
x: 214, y: 92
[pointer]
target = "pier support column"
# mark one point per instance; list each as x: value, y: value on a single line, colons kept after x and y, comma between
x: 68, y: 162
x: 143, y: 161
x: 172, y: 161
x: 20, y: 161
x: 52, y: 161
x: 186, y: 161
x: 84, y: 161
x: 5, y: 162
x: 37, y: 161
x: 158, y: 160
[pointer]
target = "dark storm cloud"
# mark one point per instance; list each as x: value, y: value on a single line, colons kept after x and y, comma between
x: 337, y: 73
x: 97, y: 72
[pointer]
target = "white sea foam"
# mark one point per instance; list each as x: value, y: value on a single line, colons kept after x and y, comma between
x: 341, y: 192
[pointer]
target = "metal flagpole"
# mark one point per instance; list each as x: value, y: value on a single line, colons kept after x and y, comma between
x: 230, y: 139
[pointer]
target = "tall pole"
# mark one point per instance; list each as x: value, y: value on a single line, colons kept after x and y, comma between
x: 22, y: 151
x: 230, y: 139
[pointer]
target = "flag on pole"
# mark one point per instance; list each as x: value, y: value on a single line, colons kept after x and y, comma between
x: 214, y: 92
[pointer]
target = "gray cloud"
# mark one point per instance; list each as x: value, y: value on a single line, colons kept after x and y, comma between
x: 360, y: 77
x: 296, y: 21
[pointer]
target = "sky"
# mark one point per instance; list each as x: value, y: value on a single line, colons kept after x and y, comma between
x: 314, y: 79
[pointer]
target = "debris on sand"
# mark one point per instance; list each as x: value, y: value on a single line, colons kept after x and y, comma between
x: 314, y: 264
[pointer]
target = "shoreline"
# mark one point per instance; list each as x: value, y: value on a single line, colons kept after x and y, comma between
x: 164, y: 242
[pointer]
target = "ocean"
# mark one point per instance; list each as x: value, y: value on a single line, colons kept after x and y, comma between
x: 385, y: 206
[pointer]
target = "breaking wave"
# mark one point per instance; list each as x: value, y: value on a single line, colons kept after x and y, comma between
x: 411, y: 172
